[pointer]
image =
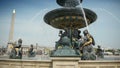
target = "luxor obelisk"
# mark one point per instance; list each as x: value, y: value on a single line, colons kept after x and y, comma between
x: 11, y: 33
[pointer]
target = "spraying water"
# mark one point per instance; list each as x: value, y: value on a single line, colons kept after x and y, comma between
x: 115, y: 17
x: 38, y: 14
x: 83, y: 12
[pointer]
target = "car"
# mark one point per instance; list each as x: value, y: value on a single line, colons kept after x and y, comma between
x: 116, y: 53
x: 108, y: 53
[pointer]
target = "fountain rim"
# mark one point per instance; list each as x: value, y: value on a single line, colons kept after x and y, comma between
x: 91, y: 15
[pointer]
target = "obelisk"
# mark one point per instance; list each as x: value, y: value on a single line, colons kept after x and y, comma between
x: 11, y: 33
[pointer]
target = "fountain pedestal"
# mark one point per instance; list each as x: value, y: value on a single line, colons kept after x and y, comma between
x: 66, y: 62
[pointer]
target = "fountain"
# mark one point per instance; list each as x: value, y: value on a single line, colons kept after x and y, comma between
x: 70, y: 19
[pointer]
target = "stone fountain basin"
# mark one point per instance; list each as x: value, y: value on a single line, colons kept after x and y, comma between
x: 62, y: 18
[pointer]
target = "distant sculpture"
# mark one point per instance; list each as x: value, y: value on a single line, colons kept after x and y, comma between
x: 16, y: 52
x: 99, y: 52
x: 87, y: 48
x: 31, y: 53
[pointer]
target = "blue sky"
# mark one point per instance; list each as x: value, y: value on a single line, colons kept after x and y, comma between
x: 29, y: 24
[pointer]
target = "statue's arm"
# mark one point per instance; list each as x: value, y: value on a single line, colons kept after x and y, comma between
x: 88, y: 42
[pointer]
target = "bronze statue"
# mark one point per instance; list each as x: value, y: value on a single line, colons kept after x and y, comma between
x: 99, y: 52
x: 31, y: 53
x: 16, y: 52
x: 88, y: 52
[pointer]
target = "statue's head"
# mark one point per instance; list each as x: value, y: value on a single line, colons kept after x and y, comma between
x: 85, y: 32
x: 98, y: 46
x: 31, y: 45
x: 20, y: 40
